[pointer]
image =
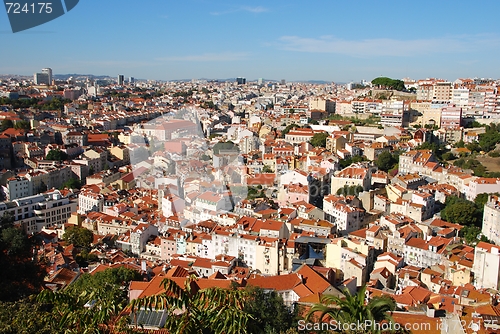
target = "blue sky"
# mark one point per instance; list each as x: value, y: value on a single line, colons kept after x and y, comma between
x: 294, y: 40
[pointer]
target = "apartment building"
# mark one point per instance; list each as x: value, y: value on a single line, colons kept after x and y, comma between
x: 17, y: 187
x: 451, y: 117
x: 351, y: 258
x: 486, y: 266
x: 491, y: 219
x: 482, y: 185
x: 351, y: 176
x: 338, y: 211
x: 442, y: 92
x: 415, y: 161
x: 36, y: 212
x: 421, y: 253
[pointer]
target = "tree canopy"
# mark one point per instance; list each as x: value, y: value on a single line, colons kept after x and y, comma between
x: 211, y: 310
x: 6, y: 124
x: 352, y: 309
x: 78, y: 236
x: 472, y: 235
x: 461, y: 211
x: 389, y: 83
x: 72, y: 184
x: 288, y: 128
x: 22, y: 125
x: 225, y: 146
x: 351, y: 160
x: 56, y: 155
x: 90, y: 305
x: 319, y: 139
x: 268, y: 312
x: 386, y: 161
x: 22, y: 275
x: 489, y: 139
x: 350, y: 190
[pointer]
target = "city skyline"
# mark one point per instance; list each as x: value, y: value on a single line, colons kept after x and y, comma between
x: 339, y: 42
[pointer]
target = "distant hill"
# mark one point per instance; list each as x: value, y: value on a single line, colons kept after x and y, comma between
x: 75, y: 75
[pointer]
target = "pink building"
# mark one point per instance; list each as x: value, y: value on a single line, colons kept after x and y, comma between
x: 451, y: 117
x: 292, y: 193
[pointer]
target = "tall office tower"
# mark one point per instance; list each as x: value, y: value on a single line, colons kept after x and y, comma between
x: 131, y: 80
x: 283, y: 81
x: 48, y: 72
x: 120, y: 79
x: 41, y: 79
x: 259, y: 81
x: 241, y: 80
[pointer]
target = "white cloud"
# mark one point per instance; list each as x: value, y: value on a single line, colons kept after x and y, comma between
x: 256, y: 10
x: 387, y: 46
x: 208, y: 57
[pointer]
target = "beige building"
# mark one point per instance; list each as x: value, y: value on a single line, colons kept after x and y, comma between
x: 431, y: 116
x: 122, y: 153
x: 319, y: 103
x: 442, y: 92
x: 100, y: 154
x: 351, y: 176
x: 350, y: 258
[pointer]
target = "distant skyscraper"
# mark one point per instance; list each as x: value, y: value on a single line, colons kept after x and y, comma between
x: 43, y: 78
x: 121, y: 78
x: 260, y: 81
x: 241, y: 80
x: 283, y: 81
x: 48, y: 71
x: 131, y: 80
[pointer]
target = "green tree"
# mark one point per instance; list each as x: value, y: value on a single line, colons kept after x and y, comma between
x: 267, y: 169
x: 26, y: 316
x: 268, y: 312
x: 22, y: 125
x: 288, y: 128
x: 72, y: 184
x: 24, y: 275
x: 473, y: 146
x: 351, y: 160
x: 319, y: 139
x: 449, y: 156
x: 389, y: 83
x: 56, y: 155
x: 78, y: 236
x: 352, y: 309
x: 481, y: 200
x: 205, y: 157
x: 460, y: 211
x: 460, y: 144
x: 91, y: 304
x: 489, y: 139
x: 385, y: 161
x: 211, y: 310
x: 6, y: 124
x: 225, y: 146
x: 472, y: 235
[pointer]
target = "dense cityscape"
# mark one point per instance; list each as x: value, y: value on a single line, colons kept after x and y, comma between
x: 289, y: 197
